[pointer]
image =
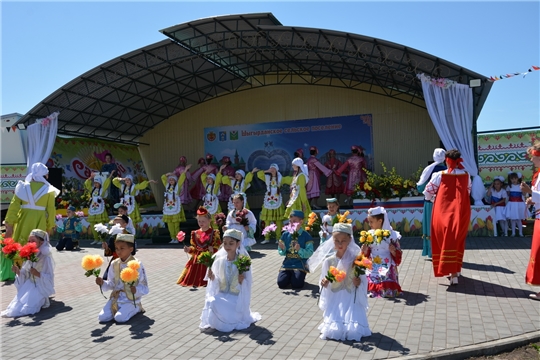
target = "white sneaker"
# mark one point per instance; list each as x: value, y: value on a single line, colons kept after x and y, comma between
x: 265, y: 242
x: 173, y: 241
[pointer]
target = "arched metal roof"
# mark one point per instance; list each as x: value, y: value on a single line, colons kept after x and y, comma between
x: 125, y: 97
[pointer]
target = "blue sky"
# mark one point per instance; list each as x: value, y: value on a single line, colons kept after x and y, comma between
x: 47, y: 44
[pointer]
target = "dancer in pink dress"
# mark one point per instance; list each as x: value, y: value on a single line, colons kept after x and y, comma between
x: 198, y: 191
x: 225, y: 191
x: 315, y: 169
x: 334, y: 182
x: 355, y: 167
x: 185, y: 196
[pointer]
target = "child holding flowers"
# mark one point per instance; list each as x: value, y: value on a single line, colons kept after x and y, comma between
x: 127, y: 280
x: 329, y: 219
x: 35, y: 280
x: 70, y: 230
x: 173, y: 212
x: 343, y: 297
x: 205, y: 239
x: 97, y: 212
x: 228, y: 293
x: 242, y: 220
x: 381, y: 246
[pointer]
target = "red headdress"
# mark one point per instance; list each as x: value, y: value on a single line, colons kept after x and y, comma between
x: 225, y: 159
x: 202, y: 211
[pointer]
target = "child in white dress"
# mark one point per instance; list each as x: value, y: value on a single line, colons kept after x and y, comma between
x: 228, y: 293
x: 344, y: 304
x: 515, y: 207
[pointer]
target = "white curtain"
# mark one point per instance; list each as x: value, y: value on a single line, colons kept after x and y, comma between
x: 450, y: 106
x: 41, y: 138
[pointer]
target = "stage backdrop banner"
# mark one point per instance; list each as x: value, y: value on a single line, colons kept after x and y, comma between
x: 259, y: 145
x: 79, y: 157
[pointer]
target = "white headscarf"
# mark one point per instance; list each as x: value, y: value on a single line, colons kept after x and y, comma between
x: 37, y: 173
x: 303, y: 167
x: 378, y: 210
x: 326, y: 248
x: 438, y: 158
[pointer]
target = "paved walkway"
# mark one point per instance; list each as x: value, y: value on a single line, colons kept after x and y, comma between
x: 488, y: 308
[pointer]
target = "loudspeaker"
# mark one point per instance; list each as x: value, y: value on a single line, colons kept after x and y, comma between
x: 55, y: 178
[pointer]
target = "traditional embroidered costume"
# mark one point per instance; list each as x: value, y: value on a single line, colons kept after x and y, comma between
x: 238, y: 187
x: 354, y: 166
x: 33, y: 291
x: 272, y: 208
x: 201, y: 241
x: 70, y: 231
x: 248, y: 236
x: 532, y: 276
x: 127, y: 196
x: 294, y: 267
x: 225, y: 191
x: 315, y: 169
x: 123, y: 304
x: 334, y: 182
x: 438, y: 158
x: 227, y: 302
x: 298, y: 199
x: 343, y: 304
x: 451, y: 217
x: 97, y: 211
x: 211, y: 196
x: 185, y: 196
x: 173, y: 211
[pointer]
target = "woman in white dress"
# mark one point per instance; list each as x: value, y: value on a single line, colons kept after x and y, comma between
x: 344, y: 304
x: 243, y: 220
x: 228, y: 294
x: 34, y: 281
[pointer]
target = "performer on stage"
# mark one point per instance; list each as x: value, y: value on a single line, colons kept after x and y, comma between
x: 355, y: 166
x: 185, y: 196
x: 198, y: 191
x: 204, y: 239
x: 128, y: 192
x: 532, y: 276
x: 299, y: 153
x: 110, y: 167
x: 97, y: 211
x: 436, y: 166
x: 315, y: 169
x: 173, y: 211
x: 334, y: 182
x: 298, y: 199
x: 125, y: 299
x: 272, y: 208
x: 225, y: 191
x: 34, y: 281
x: 243, y: 220
x: 239, y: 184
x: 210, y: 199
x: 228, y: 294
x: 450, y: 190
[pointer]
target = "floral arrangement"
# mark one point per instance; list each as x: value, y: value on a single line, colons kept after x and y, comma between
x: 10, y: 248
x: 388, y: 185
x: 243, y: 263
x: 342, y: 218
x: 58, y: 217
x: 79, y: 213
x: 205, y: 258
x: 220, y: 219
x: 313, y: 220
x: 130, y: 275
x: 378, y: 235
x: 72, y: 194
x: 92, y: 265
x: 241, y: 217
x: 335, y: 275
x: 180, y: 236
x: 361, y: 265
x: 28, y: 252
x: 292, y: 228
x: 116, y: 229
x: 269, y: 232
x: 102, y: 230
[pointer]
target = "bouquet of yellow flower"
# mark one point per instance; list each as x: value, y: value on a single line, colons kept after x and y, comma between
x: 243, y: 263
x: 92, y: 265
x: 342, y: 218
x: 335, y: 275
x: 206, y: 259
x: 130, y: 275
x: 378, y: 235
x: 313, y: 220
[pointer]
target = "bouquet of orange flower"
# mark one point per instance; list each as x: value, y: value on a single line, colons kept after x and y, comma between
x: 313, y: 220
x: 335, y: 275
x: 10, y: 248
x: 243, y: 263
x: 28, y: 252
x: 92, y: 265
x: 130, y: 275
x: 206, y: 259
x: 361, y: 264
x: 342, y: 218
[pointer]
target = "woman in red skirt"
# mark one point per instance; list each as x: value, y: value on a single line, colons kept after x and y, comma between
x: 532, y: 276
x: 204, y: 239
